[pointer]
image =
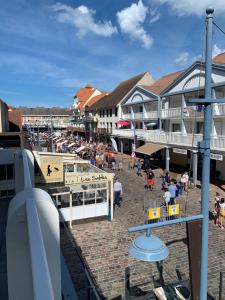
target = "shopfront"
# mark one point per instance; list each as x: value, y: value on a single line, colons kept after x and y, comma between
x: 80, y: 189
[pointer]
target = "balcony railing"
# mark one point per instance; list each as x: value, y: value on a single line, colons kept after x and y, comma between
x: 171, y: 138
x: 151, y: 115
x: 171, y: 112
x: 126, y: 116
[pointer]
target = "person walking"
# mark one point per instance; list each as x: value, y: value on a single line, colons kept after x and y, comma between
x: 150, y: 179
x: 172, y: 189
x: 139, y: 168
x: 184, y: 182
x: 166, y: 197
x: 117, y: 192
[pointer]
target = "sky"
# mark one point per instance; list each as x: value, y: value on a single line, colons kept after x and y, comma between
x: 50, y: 49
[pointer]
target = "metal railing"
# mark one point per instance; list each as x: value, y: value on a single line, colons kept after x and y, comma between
x: 171, y: 112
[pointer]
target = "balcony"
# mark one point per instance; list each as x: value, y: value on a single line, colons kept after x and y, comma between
x: 191, y: 111
x: 219, y: 109
x: 171, y: 113
x: 151, y: 115
x: 170, y: 138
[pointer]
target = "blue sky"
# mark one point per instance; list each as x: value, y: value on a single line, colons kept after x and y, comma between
x: 50, y: 49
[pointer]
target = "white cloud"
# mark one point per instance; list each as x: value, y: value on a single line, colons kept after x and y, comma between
x: 82, y: 18
x: 216, y: 50
x: 183, y: 58
x: 193, y: 7
x: 131, y: 19
x: 155, y: 16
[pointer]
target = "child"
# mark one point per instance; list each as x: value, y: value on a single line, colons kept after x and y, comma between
x: 150, y: 179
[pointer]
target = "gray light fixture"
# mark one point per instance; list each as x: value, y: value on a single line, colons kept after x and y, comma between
x: 149, y: 248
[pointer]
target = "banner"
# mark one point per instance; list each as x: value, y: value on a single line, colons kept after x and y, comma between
x: 52, y: 169
x: 173, y: 210
x: 114, y: 144
x: 154, y: 213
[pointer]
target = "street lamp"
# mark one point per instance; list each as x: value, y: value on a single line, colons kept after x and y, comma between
x: 204, y: 148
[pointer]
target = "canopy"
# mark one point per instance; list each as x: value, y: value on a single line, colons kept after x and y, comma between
x: 80, y: 149
x: 123, y: 123
x: 70, y: 145
x: 149, y: 148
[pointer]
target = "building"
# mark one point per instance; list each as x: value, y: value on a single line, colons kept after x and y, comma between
x: 84, y: 97
x: 10, y: 135
x: 44, y: 118
x: 108, y: 109
x: 4, y: 117
x: 161, y: 117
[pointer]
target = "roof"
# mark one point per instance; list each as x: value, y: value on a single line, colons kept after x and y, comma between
x: 219, y: 59
x: 29, y: 111
x: 95, y: 99
x: 118, y: 93
x: 3, y: 102
x: 161, y: 84
x: 84, y: 94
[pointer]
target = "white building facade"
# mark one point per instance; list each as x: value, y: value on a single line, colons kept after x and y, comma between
x: 169, y: 119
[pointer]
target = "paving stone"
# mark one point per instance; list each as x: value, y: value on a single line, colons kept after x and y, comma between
x: 104, y: 246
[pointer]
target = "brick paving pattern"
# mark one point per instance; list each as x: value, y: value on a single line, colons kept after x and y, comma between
x: 104, y: 246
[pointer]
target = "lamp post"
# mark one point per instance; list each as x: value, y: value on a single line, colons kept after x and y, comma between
x: 204, y: 148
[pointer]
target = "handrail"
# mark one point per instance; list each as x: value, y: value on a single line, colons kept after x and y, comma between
x: 40, y: 271
x: 26, y: 171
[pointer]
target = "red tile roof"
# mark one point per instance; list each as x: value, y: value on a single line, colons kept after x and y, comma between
x: 162, y: 83
x: 95, y: 99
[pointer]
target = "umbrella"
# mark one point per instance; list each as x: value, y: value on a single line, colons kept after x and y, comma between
x: 123, y: 123
x: 70, y: 145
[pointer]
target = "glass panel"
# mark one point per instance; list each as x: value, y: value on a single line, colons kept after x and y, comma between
x: 10, y: 171
x: 77, y: 199
x: 65, y: 200
x: 101, y: 196
x: 4, y: 193
x: 89, y: 198
x: 2, y: 172
x: 69, y: 168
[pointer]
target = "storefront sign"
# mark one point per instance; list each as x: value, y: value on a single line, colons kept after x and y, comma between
x: 216, y: 156
x: 52, y: 169
x: 154, y: 213
x: 86, y: 178
x: 180, y: 151
x: 174, y: 210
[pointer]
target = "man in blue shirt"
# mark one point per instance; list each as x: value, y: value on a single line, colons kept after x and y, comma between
x: 172, y: 189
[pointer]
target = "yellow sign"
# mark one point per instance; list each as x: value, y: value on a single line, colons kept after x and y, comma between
x: 52, y: 169
x: 154, y: 213
x: 174, y: 210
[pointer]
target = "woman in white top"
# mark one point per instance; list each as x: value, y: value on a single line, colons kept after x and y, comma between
x: 222, y: 212
x: 167, y: 196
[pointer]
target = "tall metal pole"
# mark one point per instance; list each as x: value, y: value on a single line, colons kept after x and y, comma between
x: 206, y: 155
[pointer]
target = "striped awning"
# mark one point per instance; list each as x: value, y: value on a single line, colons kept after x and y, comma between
x: 149, y: 148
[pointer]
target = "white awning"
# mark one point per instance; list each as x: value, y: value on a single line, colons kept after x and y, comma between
x: 80, y: 149
x: 70, y: 145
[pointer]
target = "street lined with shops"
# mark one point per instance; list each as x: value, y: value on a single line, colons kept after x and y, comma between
x: 104, y: 246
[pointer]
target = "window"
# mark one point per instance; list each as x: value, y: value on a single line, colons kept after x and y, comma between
x: 116, y: 112
x: 110, y: 112
x: 103, y: 113
x: 141, y: 109
x: 7, y: 172
x: 107, y: 113
x: 100, y: 113
x: 199, y: 127
x: 175, y: 127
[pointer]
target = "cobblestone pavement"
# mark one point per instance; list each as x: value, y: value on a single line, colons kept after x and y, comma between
x: 104, y: 246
